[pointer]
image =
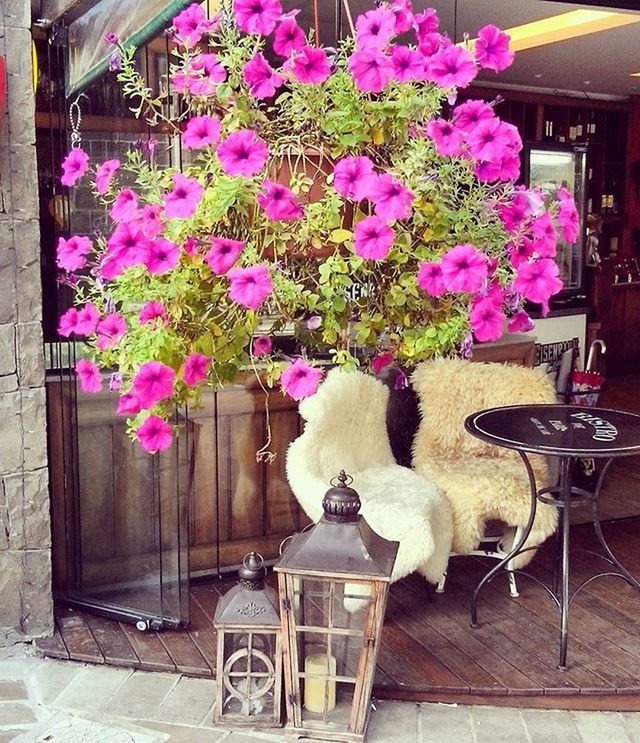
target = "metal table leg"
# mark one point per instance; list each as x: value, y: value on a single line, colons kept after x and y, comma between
x: 566, y: 465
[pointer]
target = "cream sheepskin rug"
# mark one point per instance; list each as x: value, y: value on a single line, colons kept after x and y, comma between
x: 481, y: 482
x: 345, y: 428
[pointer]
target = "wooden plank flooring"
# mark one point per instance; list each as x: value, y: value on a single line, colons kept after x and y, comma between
x: 428, y: 650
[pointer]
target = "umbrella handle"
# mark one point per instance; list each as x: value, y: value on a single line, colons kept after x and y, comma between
x: 603, y: 349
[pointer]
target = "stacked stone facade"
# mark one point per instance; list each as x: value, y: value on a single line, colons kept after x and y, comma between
x: 25, y: 540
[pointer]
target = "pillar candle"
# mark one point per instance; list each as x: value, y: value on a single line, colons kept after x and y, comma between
x: 314, y: 688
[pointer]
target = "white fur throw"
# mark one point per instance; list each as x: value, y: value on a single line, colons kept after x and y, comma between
x: 345, y: 428
x: 482, y: 482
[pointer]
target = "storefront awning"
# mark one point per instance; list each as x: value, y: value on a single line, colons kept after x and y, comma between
x: 134, y: 22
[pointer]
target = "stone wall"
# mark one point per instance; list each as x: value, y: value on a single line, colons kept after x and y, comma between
x: 25, y: 561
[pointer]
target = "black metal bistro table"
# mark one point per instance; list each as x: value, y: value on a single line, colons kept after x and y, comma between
x: 568, y: 432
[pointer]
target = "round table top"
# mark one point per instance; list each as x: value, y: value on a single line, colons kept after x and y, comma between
x: 559, y: 430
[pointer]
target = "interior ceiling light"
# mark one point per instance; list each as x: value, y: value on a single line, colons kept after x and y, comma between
x: 567, y: 26
x: 635, y: 74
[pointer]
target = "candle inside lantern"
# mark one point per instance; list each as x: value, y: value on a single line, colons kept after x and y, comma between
x: 314, y: 688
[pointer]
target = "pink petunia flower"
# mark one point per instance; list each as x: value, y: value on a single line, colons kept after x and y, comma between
x: 223, y: 254
x: 430, y: 279
x: 115, y: 382
x: 568, y: 219
x: 392, y: 200
x: 162, y: 255
x: 243, y: 153
x: 515, y: 213
x: 182, y: 202
x: 150, y: 220
x: 403, y: 14
x: 104, y: 174
x: 486, y: 321
x: 470, y: 113
x: 110, y: 330
x: 289, y: 37
x: 153, y: 311
x: 195, y: 369
x: 262, y: 79
x: 447, y: 138
x: 214, y: 72
x: 87, y: 319
x: 191, y: 246
x: 261, y: 346
x: 192, y: 23
x: 426, y: 22
x: 464, y: 268
x: 520, y: 323
x: 89, y: 376
x: 71, y: 253
x: 373, y: 238
x: 67, y: 322
x: 506, y: 168
x: 492, y: 49
x: 520, y: 251
x: 201, y: 131
x: 375, y: 28
x: 371, y: 70
x: 538, y: 280
x: 250, y: 286
x: 257, y: 16
x: 353, y: 177
x: 279, y: 203
x: 299, y: 380
x: 429, y: 46
x: 489, y: 140
x: 452, y: 67
x: 128, y: 404
x: 74, y: 166
x: 546, y: 237
x: 311, y: 65
x: 125, y: 207
x: 154, y: 434
x: 127, y: 246
x: 408, y: 64
x: 152, y: 383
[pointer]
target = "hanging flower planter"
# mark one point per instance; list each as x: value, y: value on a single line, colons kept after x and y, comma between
x: 306, y: 172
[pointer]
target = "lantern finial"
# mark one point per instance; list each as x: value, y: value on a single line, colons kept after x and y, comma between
x: 341, y: 503
x: 252, y: 572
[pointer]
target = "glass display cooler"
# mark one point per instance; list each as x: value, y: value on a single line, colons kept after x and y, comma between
x: 550, y: 167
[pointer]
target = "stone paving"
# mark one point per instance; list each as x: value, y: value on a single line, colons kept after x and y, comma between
x: 49, y: 701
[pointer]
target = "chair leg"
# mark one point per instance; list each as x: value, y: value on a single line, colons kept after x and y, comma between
x: 513, y: 586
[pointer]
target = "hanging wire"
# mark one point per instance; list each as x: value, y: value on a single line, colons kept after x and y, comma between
x: 75, y: 119
x: 455, y: 22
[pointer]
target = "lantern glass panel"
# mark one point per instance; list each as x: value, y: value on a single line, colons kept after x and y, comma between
x: 330, y: 617
x: 249, y: 673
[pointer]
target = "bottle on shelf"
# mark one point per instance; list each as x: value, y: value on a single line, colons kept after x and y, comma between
x: 578, y: 127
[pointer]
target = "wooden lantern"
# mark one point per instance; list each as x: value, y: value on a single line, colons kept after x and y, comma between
x: 333, y: 581
x: 249, y: 658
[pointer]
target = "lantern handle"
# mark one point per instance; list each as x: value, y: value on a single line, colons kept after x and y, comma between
x: 248, y: 555
x: 342, y: 480
x: 291, y: 536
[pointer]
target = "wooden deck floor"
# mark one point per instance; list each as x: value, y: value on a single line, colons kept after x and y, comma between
x: 429, y: 651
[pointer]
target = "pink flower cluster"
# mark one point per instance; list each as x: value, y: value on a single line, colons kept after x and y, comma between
x: 477, y: 134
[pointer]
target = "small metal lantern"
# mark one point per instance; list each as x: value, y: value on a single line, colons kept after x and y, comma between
x: 333, y: 582
x: 249, y: 662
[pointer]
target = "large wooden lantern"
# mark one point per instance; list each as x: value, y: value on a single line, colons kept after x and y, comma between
x: 249, y: 658
x: 333, y: 581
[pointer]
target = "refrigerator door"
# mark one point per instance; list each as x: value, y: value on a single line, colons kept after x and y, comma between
x: 550, y: 168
